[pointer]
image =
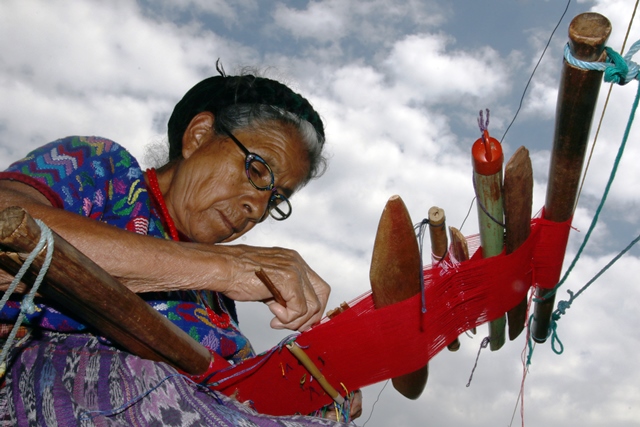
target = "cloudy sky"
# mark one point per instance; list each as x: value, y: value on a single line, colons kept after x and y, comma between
x: 399, y: 84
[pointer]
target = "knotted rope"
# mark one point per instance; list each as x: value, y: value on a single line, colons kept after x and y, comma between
x: 617, y: 69
x: 27, y: 306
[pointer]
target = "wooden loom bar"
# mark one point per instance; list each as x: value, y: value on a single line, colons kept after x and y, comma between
x: 396, y: 275
x: 518, y: 200
x: 75, y: 284
x: 487, y: 177
x: 576, y: 104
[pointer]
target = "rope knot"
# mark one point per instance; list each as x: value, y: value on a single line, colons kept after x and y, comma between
x: 28, y: 307
x: 563, y: 306
x: 619, y: 71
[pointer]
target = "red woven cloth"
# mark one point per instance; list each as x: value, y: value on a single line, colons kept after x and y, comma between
x: 362, y: 345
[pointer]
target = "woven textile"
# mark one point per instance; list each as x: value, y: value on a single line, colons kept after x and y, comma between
x: 76, y: 380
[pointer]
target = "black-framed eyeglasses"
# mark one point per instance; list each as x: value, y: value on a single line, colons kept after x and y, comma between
x: 261, y: 177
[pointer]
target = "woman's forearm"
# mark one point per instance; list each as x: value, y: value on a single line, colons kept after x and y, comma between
x: 142, y: 263
x: 148, y: 264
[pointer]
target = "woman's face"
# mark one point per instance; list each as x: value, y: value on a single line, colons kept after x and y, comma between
x: 210, y: 198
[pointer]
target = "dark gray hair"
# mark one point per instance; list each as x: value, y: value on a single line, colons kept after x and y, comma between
x: 249, y: 102
x: 260, y: 116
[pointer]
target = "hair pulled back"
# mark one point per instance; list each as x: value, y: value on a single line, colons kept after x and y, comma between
x: 248, y: 101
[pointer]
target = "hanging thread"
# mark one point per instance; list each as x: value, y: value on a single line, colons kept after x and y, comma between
x: 483, y: 344
x: 421, y: 231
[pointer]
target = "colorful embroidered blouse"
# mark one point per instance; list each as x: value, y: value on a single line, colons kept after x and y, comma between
x: 97, y: 178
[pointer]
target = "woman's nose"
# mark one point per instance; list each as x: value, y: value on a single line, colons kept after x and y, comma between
x: 256, y: 204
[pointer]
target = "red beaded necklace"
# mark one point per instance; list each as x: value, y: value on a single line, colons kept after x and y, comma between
x: 220, y: 320
x: 154, y: 186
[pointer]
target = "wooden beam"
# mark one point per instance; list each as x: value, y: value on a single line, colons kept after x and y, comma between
x: 576, y: 104
x: 75, y: 284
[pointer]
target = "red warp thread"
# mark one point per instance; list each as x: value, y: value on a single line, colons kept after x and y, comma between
x: 363, y: 345
x: 550, y: 250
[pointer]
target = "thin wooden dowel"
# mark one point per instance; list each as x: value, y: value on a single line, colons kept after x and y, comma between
x: 439, y: 247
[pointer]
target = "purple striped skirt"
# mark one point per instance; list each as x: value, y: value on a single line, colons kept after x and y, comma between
x: 58, y: 379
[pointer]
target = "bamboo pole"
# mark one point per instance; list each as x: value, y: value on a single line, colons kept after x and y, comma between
x: 439, y: 247
x: 487, y: 177
x: 518, y: 200
x: 395, y: 276
x: 75, y: 284
x: 577, y: 99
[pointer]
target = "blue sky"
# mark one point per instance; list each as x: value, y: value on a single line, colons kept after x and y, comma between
x: 399, y: 85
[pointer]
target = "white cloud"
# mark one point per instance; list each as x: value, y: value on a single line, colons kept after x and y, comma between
x: 432, y: 74
x: 323, y: 21
x: 97, y: 69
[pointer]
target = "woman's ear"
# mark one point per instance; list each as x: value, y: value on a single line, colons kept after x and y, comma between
x: 197, y: 133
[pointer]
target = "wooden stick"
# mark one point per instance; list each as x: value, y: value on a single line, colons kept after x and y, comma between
x: 459, y: 250
x: 75, y: 284
x: 311, y: 367
x: 277, y: 296
x: 395, y: 275
x: 577, y: 98
x: 518, y: 200
x: 439, y: 246
x: 487, y: 176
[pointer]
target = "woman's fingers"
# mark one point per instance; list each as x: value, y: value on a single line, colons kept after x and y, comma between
x: 259, y: 274
x: 303, y: 310
x: 355, y: 406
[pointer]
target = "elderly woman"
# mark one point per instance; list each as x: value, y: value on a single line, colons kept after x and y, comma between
x: 240, y: 146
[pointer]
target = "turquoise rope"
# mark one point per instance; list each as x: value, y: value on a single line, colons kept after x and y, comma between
x: 27, y: 306
x: 619, y: 70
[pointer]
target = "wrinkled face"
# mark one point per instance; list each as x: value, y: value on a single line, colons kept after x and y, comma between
x: 210, y: 198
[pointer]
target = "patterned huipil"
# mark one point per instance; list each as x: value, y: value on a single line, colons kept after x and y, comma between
x: 97, y: 178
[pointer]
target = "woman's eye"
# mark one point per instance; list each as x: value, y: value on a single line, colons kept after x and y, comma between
x: 259, y: 173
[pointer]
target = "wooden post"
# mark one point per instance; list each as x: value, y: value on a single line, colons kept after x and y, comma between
x: 487, y: 177
x: 395, y: 276
x: 439, y: 247
x: 577, y: 98
x: 518, y: 200
x: 75, y: 284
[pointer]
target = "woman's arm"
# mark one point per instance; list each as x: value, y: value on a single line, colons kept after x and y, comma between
x: 145, y: 264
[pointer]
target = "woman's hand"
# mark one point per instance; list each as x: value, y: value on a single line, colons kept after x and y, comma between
x: 305, y: 293
x: 355, y: 408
